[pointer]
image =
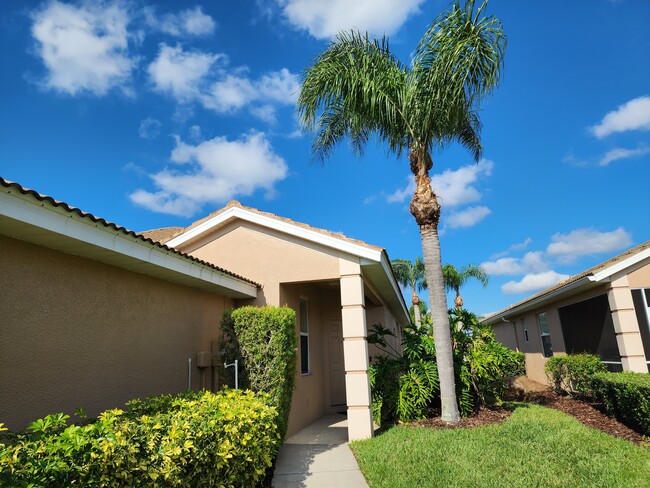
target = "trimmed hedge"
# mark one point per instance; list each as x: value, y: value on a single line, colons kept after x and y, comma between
x: 571, y: 373
x: 266, y: 338
x: 626, y: 396
x: 200, y: 439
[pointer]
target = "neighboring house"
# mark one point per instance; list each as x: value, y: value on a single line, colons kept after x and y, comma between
x: 94, y: 314
x: 604, y: 310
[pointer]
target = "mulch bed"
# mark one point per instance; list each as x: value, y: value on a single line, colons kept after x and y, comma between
x: 529, y: 391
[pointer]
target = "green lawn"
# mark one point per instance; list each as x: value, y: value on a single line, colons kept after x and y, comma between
x: 535, y: 447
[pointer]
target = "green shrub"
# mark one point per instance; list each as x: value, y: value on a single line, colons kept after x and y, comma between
x: 406, y: 388
x: 626, y: 396
x: 230, y: 350
x: 403, y: 386
x: 267, y: 340
x: 482, y: 364
x: 224, y: 439
x: 572, y: 373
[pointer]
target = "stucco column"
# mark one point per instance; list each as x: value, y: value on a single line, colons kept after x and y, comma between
x: 626, y: 326
x: 355, y: 351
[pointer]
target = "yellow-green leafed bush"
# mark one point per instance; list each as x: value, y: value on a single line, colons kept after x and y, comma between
x: 200, y: 440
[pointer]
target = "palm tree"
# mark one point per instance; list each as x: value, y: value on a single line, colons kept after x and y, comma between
x: 357, y: 89
x: 454, y: 279
x: 411, y: 275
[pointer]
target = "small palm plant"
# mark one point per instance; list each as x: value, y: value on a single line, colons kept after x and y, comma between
x: 455, y: 279
x: 411, y: 274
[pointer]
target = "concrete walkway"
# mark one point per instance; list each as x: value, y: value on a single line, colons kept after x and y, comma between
x: 319, y: 456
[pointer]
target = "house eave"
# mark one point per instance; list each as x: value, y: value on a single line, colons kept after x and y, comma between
x: 24, y: 217
x: 583, y: 284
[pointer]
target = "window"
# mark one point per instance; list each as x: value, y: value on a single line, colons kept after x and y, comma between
x: 545, y: 334
x: 524, y: 327
x: 304, y: 337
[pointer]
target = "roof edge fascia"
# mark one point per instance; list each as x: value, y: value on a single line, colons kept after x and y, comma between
x: 540, y: 300
x: 278, y: 225
x: 621, y: 265
x: 27, y: 209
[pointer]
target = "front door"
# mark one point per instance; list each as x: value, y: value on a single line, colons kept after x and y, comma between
x: 337, y: 367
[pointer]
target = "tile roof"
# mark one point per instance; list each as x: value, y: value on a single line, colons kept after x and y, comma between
x: 235, y: 203
x: 161, y: 235
x: 590, y: 272
x: 10, y: 186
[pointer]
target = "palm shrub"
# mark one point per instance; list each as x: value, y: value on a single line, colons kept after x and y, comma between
x: 266, y: 337
x: 403, y: 386
x: 483, y: 365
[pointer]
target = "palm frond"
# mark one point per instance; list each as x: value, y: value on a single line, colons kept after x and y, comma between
x: 354, y: 89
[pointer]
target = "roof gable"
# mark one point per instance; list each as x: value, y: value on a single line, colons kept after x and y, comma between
x: 235, y: 210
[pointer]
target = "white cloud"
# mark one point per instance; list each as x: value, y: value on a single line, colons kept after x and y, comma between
x: 195, y: 133
x: 453, y: 187
x: 533, y: 282
x: 531, y: 262
x: 519, y: 246
x: 466, y: 217
x: 582, y: 242
x: 622, y: 153
x: 149, y: 128
x: 229, y: 94
x: 633, y: 115
x: 180, y: 73
x: 399, y: 196
x: 234, y: 92
x: 326, y: 18
x: 265, y: 113
x: 188, y: 22
x: 85, y: 47
x: 213, y: 172
x: 456, y: 187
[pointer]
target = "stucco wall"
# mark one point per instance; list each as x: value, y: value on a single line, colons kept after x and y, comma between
x: 506, y: 334
x: 77, y: 333
x: 640, y: 276
x: 266, y: 257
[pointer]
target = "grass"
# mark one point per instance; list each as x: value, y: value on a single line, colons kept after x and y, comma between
x: 536, y: 446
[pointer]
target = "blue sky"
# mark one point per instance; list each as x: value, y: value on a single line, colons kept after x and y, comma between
x: 153, y: 114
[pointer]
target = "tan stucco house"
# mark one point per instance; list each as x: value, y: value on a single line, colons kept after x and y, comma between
x: 604, y: 310
x: 94, y: 314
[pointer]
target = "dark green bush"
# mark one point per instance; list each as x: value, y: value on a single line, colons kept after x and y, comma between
x: 571, y: 373
x: 224, y: 439
x: 626, y: 396
x: 267, y: 341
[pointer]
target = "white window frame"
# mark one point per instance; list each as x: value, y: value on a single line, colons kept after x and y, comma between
x: 544, y: 334
x: 302, y: 334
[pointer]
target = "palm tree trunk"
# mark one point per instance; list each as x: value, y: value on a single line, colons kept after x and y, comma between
x: 415, y: 299
x: 426, y: 210
x: 440, y: 320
